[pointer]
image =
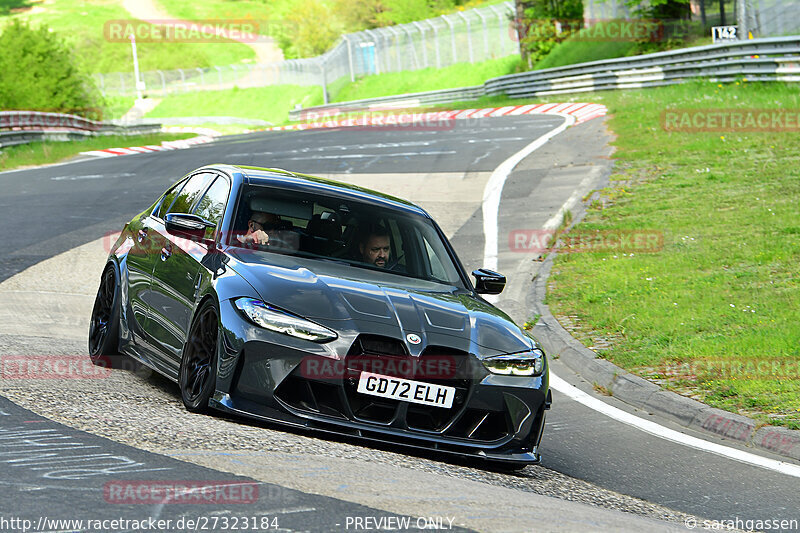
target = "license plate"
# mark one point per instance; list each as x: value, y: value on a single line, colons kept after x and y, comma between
x: 406, y: 390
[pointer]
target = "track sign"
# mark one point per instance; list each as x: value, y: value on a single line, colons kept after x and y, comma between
x: 721, y: 34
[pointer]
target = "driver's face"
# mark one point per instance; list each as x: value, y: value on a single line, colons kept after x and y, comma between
x: 376, y: 251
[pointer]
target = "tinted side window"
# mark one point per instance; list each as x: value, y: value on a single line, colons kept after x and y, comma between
x: 190, y: 193
x: 161, y: 210
x: 212, y: 205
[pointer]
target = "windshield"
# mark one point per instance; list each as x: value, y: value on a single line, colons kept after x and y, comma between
x: 357, y: 233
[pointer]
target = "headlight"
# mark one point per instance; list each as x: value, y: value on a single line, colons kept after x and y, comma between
x: 530, y: 363
x: 271, y: 318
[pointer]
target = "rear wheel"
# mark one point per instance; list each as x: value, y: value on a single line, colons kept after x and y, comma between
x: 104, y: 326
x: 197, y: 376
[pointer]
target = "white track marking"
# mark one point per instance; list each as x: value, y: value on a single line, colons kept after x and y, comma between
x: 494, y: 190
x: 491, y: 206
x: 670, y: 434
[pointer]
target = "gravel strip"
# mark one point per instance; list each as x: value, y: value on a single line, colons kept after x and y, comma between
x: 142, y: 409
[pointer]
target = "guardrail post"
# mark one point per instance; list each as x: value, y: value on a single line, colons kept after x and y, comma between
x: 163, y: 83
x: 413, y: 47
x: 376, y: 40
x: 436, y: 43
x: 202, y: 78
x: 485, y: 34
x: 324, y: 81
x: 398, y: 55
x: 510, y: 8
x: 421, y: 30
x: 741, y: 19
x: 469, y: 35
x: 452, y: 37
x: 502, y: 26
x: 219, y: 76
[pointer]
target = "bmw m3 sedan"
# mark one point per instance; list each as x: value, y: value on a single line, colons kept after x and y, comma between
x: 301, y: 301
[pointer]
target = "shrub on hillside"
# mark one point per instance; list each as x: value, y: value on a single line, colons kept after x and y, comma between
x: 39, y: 73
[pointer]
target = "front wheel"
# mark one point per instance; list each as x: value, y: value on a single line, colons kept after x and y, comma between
x: 104, y: 326
x: 197, y: 376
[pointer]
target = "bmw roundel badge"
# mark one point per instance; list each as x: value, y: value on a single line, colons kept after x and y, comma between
x: 413, y: 339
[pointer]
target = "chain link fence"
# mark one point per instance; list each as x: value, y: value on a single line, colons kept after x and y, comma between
x: 466, y: 36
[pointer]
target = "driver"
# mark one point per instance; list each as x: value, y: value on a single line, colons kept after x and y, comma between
x: 375, y: 247
x: 260, y: 222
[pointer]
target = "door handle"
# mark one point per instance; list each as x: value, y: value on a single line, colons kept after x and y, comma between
x: 141, y: 235
x: 166, y: 252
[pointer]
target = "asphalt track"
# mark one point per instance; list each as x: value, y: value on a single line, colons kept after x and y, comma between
x: 50, y: 210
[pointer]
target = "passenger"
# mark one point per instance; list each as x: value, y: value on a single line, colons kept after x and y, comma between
x: 258, y: 226
x: 375, y: 247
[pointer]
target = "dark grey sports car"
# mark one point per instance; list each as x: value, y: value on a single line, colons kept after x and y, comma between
x: 293, y: 299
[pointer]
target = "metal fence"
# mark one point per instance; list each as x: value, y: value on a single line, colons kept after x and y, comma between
x: 466, y: 36
x: 773, y: 59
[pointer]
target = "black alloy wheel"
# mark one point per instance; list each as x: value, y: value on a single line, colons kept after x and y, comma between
x: 104, y: 326
x: 197, y: 376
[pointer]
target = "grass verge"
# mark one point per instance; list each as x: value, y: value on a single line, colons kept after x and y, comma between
x: 42, y: 153
x: 83, y: 23
x: 429, y: 79
x: 271, y: 103
x: 714, y: 315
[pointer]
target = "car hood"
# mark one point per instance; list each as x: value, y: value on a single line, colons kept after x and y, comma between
x: 354, y: 300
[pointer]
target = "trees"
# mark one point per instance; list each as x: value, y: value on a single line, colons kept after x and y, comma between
x: 39, y: 72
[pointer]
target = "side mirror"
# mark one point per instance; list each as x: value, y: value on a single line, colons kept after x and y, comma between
x: 488, y: 281
x: 186, y: 225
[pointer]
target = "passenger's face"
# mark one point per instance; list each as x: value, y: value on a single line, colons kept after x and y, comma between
x: 376, y: 251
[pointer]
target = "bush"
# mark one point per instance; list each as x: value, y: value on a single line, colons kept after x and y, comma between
x: 39, y: 73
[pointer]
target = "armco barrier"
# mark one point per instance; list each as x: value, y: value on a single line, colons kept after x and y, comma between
x: 21, y: 127
x: 772, y: 59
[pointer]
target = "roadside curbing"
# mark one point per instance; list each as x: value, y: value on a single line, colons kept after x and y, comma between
x: 581, y: 111
x: 643, y: 394
x: 164, y: 146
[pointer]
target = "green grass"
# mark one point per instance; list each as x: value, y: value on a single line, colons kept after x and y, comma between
x: 601, y: 42
x: 429, y: 79
x: 725, y: 289
x: 41, y: 153
x: 82, y: 22
x: 266, y: 103
x: 273, y: 103
x: 570, y: 52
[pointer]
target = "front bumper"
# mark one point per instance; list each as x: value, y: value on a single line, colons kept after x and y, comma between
x: 265, y: 376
